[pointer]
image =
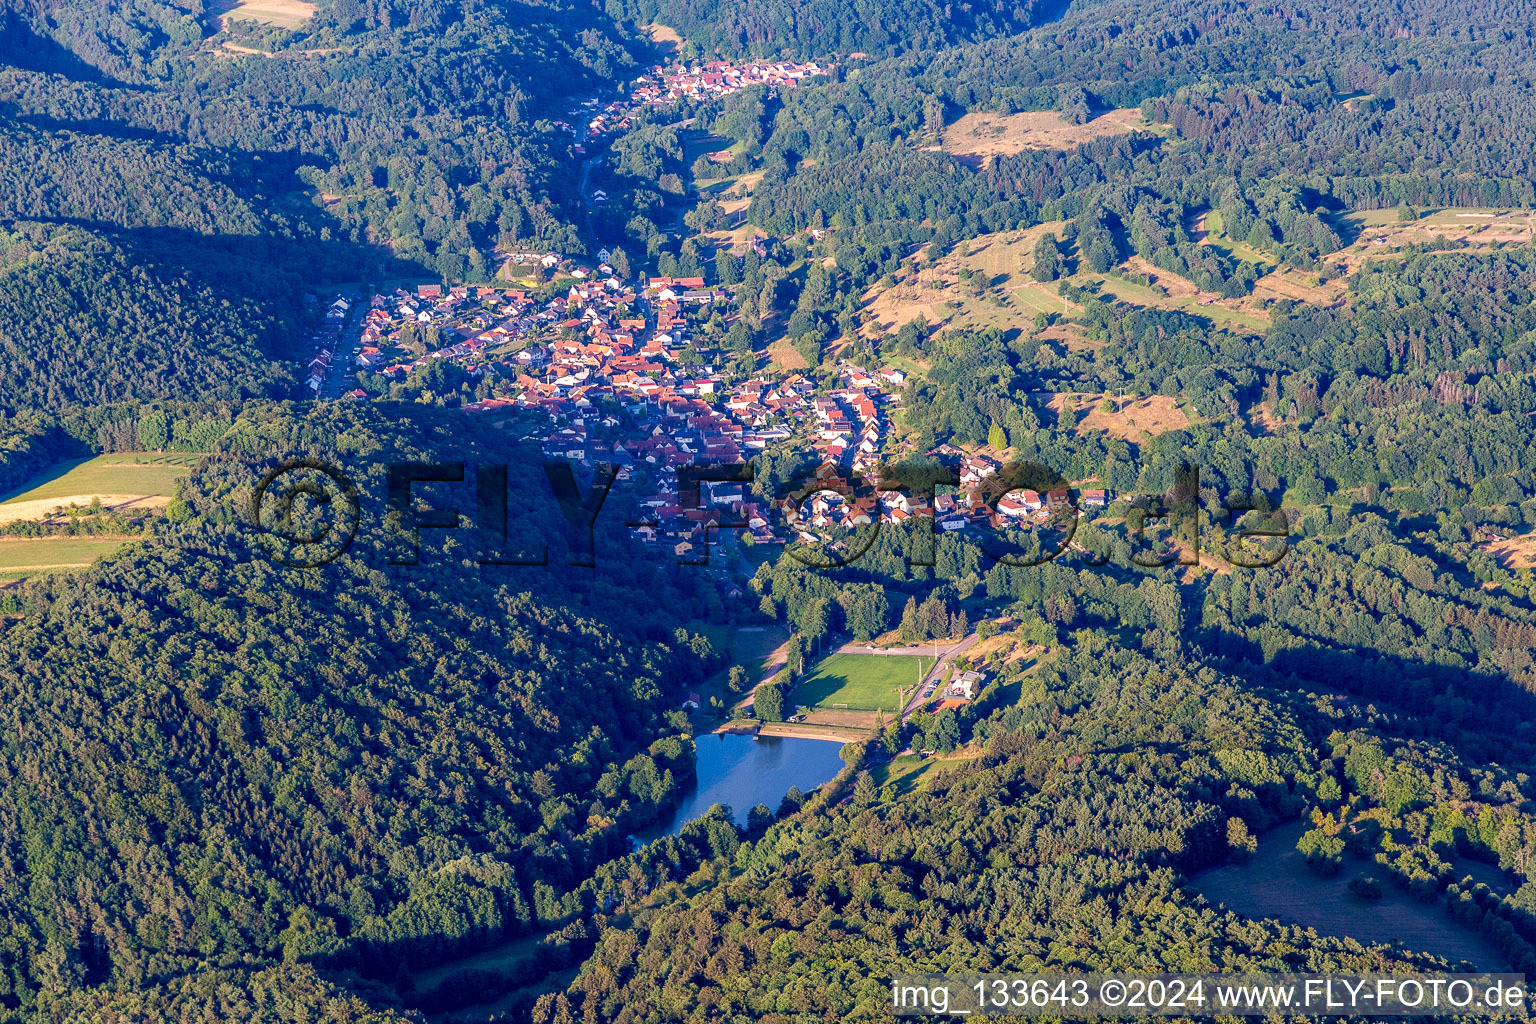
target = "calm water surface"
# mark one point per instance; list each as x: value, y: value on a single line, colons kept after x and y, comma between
x: 742, y: 771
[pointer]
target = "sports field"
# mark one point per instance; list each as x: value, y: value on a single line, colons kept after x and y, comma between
x: 861, y: 682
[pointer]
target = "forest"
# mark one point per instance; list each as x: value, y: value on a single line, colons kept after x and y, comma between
x: 318, y: 769
x: 828, y: 29
x: 234, y: 791
x: 431, y: 132
x: 85, y: 321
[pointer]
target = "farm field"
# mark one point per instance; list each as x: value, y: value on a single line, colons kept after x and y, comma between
x: 862, y: 682
x: 129, y: 480
x: 1172, y: 292
x: 144, y: 473
x: 22, y: 557
x: 1299, y: 286
x: 782, y: 354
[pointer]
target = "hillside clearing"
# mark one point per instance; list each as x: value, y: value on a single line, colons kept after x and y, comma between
x: 663, y: 36
x: 1515, y: 552
x: 1208, y: 230
x: 986, y: 282
x: 1133, y: 419
x: 940, y: 293
x: 144, y: 480
x: 1299, y: 286
x: 289, y: 14
x: 982, y: 135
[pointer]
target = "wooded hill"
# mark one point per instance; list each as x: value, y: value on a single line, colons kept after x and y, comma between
x: 214, y: 760
x: 87, y: 321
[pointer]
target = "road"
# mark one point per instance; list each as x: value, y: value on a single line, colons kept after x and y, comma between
x: 586, y: 204
x: 935, y: 674
x: 344, y: 356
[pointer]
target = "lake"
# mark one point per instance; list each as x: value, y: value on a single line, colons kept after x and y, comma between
x: 741, y: 771
x: 1277, y: 883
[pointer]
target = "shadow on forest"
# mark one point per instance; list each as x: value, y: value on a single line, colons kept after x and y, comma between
x: 273, y: 272
x: 23, y: 48
x: 1430, y: 697
x: 219, y: 260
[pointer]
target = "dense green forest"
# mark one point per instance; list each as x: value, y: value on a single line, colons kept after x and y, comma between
x: 319, y: 768
x: 431, y: 131
x: 232, y: 791
x: 210, y: 189
x: 86, y: 321
x: 820, y: 28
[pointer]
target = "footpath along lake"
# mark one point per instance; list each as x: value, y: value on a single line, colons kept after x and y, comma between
x: 741, y: 771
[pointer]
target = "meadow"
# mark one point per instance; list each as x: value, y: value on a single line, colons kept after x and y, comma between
x: 987, y: 134
x: 289, y: 14
x: 134, y: 479
x: 24, y: 557
x: 985, y: 283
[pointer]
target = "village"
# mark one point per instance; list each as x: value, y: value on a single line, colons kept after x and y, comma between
x: 605, y: 370
x: 664, y: 85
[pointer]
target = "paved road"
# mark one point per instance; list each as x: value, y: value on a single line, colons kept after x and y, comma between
x: 936, y: 673
x: 586, y: 203
x: 344, y: 356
